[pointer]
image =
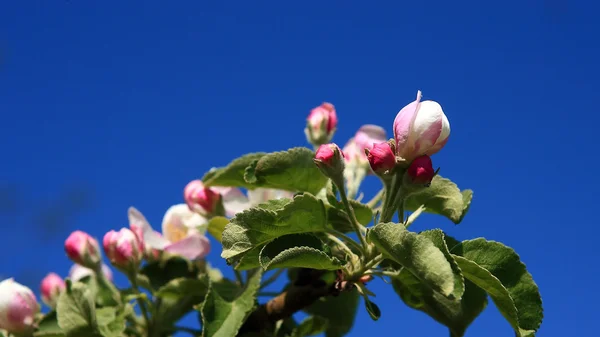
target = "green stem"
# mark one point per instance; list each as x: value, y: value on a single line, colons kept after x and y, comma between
x: 401, y: 212
x: 272, y: 278
x: 351, y: 215
x: 394, y: 197
x: 142, y: 304
x: 238, y: 277
x: 374, y: 262
x: 347, y: 239
x: 340, y: 244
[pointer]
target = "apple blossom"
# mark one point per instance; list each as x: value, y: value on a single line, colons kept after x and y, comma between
x: 123, y: 248
x: 321, y: 124
x: 421, y: 170
x: 381, y: 158
x: 83, y: 249
x: 201, y: 198
x: 182, y: 232
x: 18, y: 307
x: 51, y: 287
x: 420, y: 128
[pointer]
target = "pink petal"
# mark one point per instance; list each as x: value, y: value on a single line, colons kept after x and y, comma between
x: 403, y: 124
x: 234, y: 200
x: 195, y: 246
x: 150, y: 237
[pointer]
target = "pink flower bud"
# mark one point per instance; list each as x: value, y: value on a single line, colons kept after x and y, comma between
x: 381, y: 158
x: 123, y: 248
x: 421, y: 170
x: 321, y: 124
x: 18, y: 307
x: 365, y: 278
x: 330, y: 160
x: 365, y: 138
x: 83, y: 249
x: 52, y: 286
x: 420, y: 128
x: 197, y: 195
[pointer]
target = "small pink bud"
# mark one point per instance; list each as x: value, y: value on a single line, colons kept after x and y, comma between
x: 123, y: 248
x: 18, y: 307
x: 52, y: 286
x: 197, y: 195
x: 421, y: 170
x: 381, y: 158
x: 83, y: 249
x: 321, y: 124
x: 420, y: 128
x: 330, y: 160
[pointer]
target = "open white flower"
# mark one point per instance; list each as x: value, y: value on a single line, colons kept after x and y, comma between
x: 182, y: 232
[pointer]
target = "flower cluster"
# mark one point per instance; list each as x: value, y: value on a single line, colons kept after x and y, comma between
x: 421, y: 129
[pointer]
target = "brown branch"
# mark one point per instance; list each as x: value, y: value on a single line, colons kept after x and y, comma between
x: 307, y: 289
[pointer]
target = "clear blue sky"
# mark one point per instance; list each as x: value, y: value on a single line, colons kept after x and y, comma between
x: 122, y: 103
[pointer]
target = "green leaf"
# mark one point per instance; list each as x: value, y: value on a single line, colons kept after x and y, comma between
x: 297, y: 250
x: 416, y: 253
x: 310, y: 326
x: 76, y: 311
x: 339, y: 311
x: 233, y: 173
x: 250, y: 259
x: 372, y: 309
x: 111, y: 323
x: 216, y: 226
x: 443, y: 197
x: 181, y: 287
x: 48, y: 326
x: 439, y: 240
x: 457, y: 315
x: 498, y: 270
x: 222, y: 318
x: 363, y: 213
x: 291, y: 170
x: 168, y: 268
x: 178, y: 297
x: 259, y: 225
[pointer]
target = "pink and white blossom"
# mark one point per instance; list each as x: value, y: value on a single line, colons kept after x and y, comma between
x: 83, y: 249
x: 51, y: 287
x: 18, y: 307
x: 420, y: 128
x: 123, y: 248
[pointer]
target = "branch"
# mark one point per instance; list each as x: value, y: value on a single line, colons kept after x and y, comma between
x: 307, y: 289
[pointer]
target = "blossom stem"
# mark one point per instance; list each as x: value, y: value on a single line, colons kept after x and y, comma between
x: 238, y: 277
x: 341, y: 244
x: 356, y: 226
x: 347, y: 239
x: 133, y: 279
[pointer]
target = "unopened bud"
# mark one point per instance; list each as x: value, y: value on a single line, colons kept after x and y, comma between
x: 201, y: 198
x: 420, y: 128
x: 123, y: 249
x: 321, y: 124
x: 420, y: 171
x: 18, y: 307
x: 51, y: 287
x: 83, y: 249
x: 330, y: 160
x: 381, y: 158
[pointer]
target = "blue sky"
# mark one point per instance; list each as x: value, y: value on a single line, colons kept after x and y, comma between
x: 109, y: 105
